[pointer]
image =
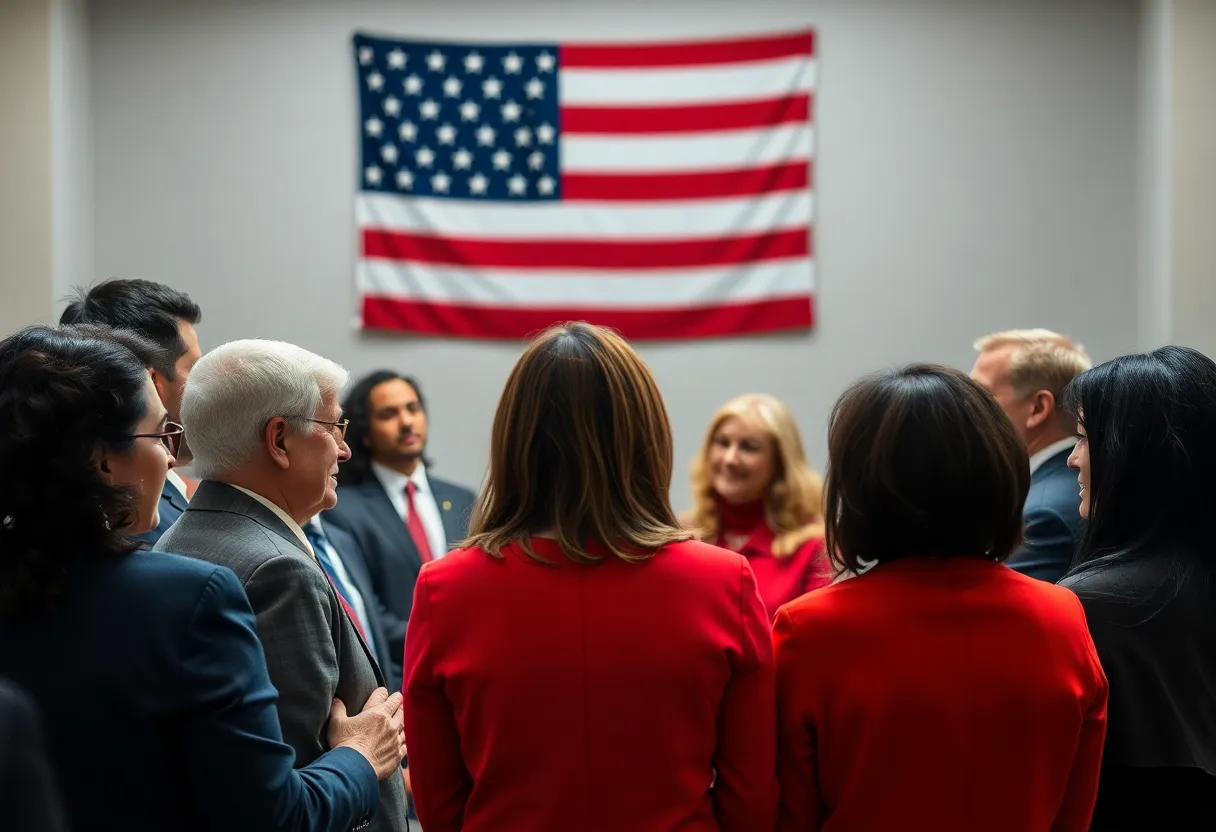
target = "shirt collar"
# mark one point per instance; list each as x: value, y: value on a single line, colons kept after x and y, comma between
x: 394, y: 481
x: 1051, y: 450
x: 282, y: 515
x: 178, y: 482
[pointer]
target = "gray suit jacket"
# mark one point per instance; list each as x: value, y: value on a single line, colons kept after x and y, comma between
x: 313, y: 650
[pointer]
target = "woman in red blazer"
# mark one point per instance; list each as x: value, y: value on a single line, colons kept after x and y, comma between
x: 581, y: 664
x: 755, y: 493
x: 938, y: 689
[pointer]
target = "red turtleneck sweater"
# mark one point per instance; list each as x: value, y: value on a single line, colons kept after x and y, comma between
x: 779, y: 579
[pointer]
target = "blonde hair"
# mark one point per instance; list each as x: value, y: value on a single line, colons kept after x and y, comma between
x: 793, y: 504
x: 1040, y: 360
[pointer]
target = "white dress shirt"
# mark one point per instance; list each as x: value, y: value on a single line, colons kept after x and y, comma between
x: 356, y: 598
x: 424, y: 501
x: 1051, y: 450
x: 178, y: 483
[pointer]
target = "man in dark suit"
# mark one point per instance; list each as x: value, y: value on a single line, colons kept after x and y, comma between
x: 268, y: 438
x: 399, y: 515
x: 166, y: 317
x: 1026, y: 370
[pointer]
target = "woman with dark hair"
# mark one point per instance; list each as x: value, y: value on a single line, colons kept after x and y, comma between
x: 1146, y: 575
x: 146, y: 666
x: 582, y: 664
x: 938, y: 689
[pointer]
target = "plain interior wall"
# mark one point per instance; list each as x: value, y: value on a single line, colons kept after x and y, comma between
x: 976, y: 169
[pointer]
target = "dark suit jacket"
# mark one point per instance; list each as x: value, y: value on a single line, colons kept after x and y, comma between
x: 313, y: 650
x: 365, y: 511
x: 172, y: 504
x: 356, y: 568
x: 167, y: 717
x: 1054, y: 527
x: 28, y: 791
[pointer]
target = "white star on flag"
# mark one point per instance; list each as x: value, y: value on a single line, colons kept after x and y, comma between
x: 485, y: 135
x: 408, y: 131
x: 375, y: 81
x: 425, y: 157
x: 396, y: 59
x: 435, y: 61
x: 451, y: 87
x: 512, y: 64
x: 477, y: 184
x: 470, y: 110
x: 389, y: 153
x: 366, y: 55
x: 536, y: 161
x: 502, y: 160
x: 517, y: 185
x: 413, y: 85
x: 535, y: 88
x: 392, y: 105
x: 545, y: 133
x: 462, y: 159
x: 405, y: 179
x: 545, y: 62
x: 510, y: 111
x: 491, y: 87
x: 440, y: 182
x: 373, y: 126
x: 373, y: 175
x: 446, y: 134
x: 429, y: 109
x: 546, y: 185
x: 523, y: 137
x: 473, y: 62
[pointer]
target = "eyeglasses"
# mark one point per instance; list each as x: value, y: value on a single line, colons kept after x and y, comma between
x: 341, y: 425
x: 170, y: 437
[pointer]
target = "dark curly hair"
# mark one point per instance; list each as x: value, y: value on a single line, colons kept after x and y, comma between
x: 64, y: 395
x: 357, y: 406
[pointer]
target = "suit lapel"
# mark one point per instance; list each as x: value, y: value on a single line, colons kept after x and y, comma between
x: 358, y: 576
x: 173, y: 497
x: 448, y: 509
x: 385, y: 515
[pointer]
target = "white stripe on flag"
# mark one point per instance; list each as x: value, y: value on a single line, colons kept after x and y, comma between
x: 687, y: 85
x: 506, y: 288
x: 558, y: 221
x: 694, y: 151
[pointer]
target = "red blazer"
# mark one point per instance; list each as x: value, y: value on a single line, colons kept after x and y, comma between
x: 604, y: 697
x: 782, y: 579
x: 938, y: 695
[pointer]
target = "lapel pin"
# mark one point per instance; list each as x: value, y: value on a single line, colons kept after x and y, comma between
x: 447, y: 505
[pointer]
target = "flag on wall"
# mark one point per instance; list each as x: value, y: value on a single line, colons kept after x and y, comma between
x: 663, y: 189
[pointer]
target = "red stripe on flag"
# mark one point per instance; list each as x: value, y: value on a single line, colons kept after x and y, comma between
x: 585, y: 254
x: 688, y: 53
x: 736, y: 115
x: 491, y: 322
x: 789, y: 176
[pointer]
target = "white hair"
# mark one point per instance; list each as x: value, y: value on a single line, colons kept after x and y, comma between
x: 236, y: 388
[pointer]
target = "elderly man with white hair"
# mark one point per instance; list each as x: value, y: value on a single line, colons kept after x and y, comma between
x: 267, y: 432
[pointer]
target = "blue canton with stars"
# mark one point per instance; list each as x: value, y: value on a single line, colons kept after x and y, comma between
x: 460, y: 121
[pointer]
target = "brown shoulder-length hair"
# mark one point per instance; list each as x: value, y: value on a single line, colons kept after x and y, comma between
x: 922, y: 461
x: 581, y: 451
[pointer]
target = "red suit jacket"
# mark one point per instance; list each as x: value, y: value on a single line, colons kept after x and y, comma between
x: 953, y: 696
x: 546, y: 698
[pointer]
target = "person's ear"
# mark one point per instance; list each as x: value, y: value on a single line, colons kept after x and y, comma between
x: 1043, y: 408
x: 104, y: 469
x: 274, y: 438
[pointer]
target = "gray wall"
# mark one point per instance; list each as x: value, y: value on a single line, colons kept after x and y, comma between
x: 976, y: 169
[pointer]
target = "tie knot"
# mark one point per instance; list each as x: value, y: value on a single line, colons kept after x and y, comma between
x: 410, y: 488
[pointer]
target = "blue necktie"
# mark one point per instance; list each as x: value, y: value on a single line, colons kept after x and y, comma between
x: 320, y: 547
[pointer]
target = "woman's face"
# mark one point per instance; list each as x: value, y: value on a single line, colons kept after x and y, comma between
x: 145, y: 466
x: 1079, y: 459
x: 742, y: 460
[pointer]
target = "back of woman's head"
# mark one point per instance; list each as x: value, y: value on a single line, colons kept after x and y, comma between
x: 64, y: 396
x: 581, y: 451
x: 922, y: 461
x: 1150, y: 423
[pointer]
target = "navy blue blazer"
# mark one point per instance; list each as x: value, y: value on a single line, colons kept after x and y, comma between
x: 172, y: 504
x: 366, y: 513
x: 356, y: 567
x: 1054, y: 526
x: 29, y: 794
x: 167, y: 718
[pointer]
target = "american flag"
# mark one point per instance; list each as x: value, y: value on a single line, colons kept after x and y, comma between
x: 662, y: 189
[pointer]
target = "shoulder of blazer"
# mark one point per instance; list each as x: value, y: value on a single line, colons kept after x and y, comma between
x: 217, y: 497
x: 442, y: 489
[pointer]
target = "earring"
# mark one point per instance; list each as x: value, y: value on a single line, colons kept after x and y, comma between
x: 105, y: 518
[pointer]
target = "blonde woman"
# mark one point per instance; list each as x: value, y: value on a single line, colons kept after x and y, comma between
x: 754, y: 493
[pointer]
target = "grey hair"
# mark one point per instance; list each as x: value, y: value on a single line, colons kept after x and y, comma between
x: 236, y: 388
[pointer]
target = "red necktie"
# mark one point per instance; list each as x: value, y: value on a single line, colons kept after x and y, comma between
x: 414, y: 524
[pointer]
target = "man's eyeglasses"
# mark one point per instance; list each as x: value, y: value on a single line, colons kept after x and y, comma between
x: 341, y: 425
x: 170, y: 437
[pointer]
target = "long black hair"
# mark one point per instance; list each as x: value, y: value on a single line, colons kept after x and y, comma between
x: 357, y: 406
x: 1150, y: 421
x: 65, y: 395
